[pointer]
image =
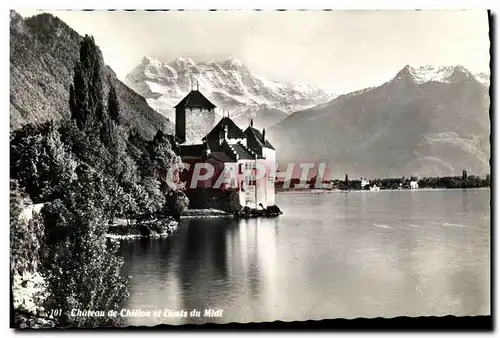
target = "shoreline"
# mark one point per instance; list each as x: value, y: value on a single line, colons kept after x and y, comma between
x: 150, y: 229
x: 205, y: 213
x: 245, y: 212
x: 135, y: 236
x: 359, y: 190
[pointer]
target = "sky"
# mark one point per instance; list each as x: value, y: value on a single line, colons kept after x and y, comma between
x: 339, y: 51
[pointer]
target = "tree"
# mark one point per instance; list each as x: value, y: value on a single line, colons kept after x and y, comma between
x: 41, y: 162
x: 473, y: 181
x: 26, y: 234
x: 138, y: 150
x: 121, y: 164
x: 86, y: 103
x: 86, y: 100
x: 177, y: 202
x: 57, y: 166
x: 86, y: 93
x: 82, y: 268
x: 25, y: 150
x: 109, y: 125
x: 117, y: 199
x: 162, y: 156
x: 151, y: 199
x: 464, y: 175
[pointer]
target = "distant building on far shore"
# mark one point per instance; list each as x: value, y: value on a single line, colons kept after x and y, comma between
x: 413, y: 185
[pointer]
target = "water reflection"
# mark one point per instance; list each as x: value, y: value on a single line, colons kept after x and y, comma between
x: 330, y: 255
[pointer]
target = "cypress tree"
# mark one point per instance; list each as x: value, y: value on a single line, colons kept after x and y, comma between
x: 80, y: 265
x: 109, y: 124
x: 86, y: 92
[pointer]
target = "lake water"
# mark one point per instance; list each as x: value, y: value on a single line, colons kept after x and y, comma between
x: 331, y: 255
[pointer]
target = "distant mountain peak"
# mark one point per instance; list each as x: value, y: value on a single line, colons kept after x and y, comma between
x: 228, y: 83
x: 404, y: 73
x: 426, y: 121
x: 184, y: 63
x: 444, y: 74
x: 233, y: 62
x: 148, y: 60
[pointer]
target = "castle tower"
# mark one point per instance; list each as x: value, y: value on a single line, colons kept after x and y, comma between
x: 194, y: 117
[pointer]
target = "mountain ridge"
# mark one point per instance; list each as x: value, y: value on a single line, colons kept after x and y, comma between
x: 228, y: 83
x: 413, y: 124
x: 42, y: 56
x: 443, y: 73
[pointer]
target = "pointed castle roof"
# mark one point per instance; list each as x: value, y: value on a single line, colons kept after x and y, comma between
x: 233, y: 131
x: 195, y: 99
x: 256, y: 138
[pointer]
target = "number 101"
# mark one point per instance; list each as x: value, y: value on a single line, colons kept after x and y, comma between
x: 55, y: 313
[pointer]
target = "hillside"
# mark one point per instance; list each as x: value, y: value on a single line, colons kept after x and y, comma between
x: 43, y: 50
x: 229, y: 84
x: 428, y: 121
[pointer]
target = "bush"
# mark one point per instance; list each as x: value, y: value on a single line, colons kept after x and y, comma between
x: 81, y: 266
x: 41, y: 162
x: 176, y: 203
x: 26, y: 234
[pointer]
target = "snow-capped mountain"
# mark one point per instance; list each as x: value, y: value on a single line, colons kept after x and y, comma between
x: 426, y: 121
x: 229, y: 84
x: 444, y: 74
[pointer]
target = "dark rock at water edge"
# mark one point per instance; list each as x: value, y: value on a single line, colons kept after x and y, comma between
x: 152, y: 228
x: 205, y: 213
x: 270, y: 211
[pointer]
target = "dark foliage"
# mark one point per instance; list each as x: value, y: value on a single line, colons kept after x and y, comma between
x: 81, y: 266
x: 41, y: 162
x: 25, y: 235
x: 448, y: 182
x: 203, y: 198
x: 452, y: 182
x: 88, y: 171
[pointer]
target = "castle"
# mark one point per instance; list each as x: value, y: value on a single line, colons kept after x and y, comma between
x: 247, y: 155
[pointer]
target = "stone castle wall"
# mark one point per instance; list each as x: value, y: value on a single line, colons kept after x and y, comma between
x: 199, y: 122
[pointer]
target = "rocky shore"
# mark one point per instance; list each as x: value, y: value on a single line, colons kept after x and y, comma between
x: 145, y: 229
x: 245, y: 212
x: 205, y: 213
x: 270, y: 211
